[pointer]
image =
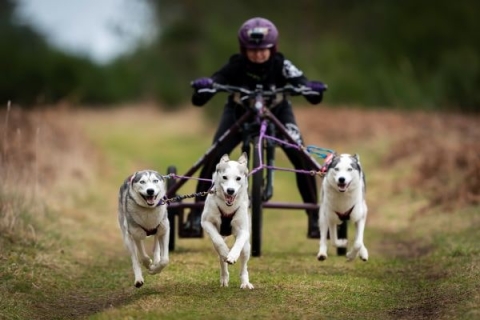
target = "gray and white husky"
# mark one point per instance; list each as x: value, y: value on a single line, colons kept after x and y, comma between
x: 140, y: 216
x: 226, y: 213
x: 343, y: 198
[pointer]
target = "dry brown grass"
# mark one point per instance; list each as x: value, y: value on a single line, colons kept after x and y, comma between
x: 444, y: 148
x: 42, y: 155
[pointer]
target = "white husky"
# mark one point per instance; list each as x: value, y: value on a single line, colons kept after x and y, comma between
x: 343, y: 198
x: 139, y: 216
x: 226, y: 213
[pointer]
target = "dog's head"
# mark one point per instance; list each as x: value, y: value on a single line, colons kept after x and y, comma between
x: 344, y: 172
x: 147, y: 187
x: 231, y: 177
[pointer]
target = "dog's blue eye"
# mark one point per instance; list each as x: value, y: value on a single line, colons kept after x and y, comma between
x: 141, y: 182
x: 350, y: 169
x: 155, y: 181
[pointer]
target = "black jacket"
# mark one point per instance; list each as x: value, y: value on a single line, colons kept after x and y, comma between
x: 239, y: 71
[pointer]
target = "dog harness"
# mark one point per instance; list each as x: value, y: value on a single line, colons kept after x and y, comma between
x: 150, y: 232
x: 226, y: 224
x: 346, y: 215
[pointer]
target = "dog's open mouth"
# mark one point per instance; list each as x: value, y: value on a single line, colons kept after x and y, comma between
x: 229, y: 199
x: 150, y: 200
x: 342, y: 187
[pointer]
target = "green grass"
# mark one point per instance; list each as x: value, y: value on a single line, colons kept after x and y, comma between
x: 422, y: 266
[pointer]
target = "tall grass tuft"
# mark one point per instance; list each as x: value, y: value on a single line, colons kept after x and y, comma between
x: 15, y: 203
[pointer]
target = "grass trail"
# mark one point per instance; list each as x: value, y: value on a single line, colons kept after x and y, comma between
x: 423, y: 264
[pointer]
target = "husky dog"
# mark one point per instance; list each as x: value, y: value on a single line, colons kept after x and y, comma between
x: 343, y: 198
x: 226, y: 213
x: 140, y: 215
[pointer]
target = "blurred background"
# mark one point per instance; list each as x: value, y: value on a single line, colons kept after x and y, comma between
x: 385, y: 54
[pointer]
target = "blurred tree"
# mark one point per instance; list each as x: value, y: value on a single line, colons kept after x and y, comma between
x: 406, y: 54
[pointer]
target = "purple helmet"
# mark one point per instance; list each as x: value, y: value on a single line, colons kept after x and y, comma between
x: 258, y: 33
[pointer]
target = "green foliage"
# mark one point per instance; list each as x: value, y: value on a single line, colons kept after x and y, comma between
x: 405, y: 54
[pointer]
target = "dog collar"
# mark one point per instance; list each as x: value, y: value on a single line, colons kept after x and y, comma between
x: 346, y: 215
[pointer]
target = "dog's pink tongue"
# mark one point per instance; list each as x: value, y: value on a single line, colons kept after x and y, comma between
x: 150, y: 200
x: 342, y: 187
x: 229, y: 199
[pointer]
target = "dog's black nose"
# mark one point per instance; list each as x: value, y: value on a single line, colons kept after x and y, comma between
x: 341, y: 180
x: 150, y: 192
x: 230, y: 191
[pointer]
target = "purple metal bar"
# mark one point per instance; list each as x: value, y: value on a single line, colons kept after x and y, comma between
x: 287, y: 205
x: 258, y: 148
x: 282, y: 129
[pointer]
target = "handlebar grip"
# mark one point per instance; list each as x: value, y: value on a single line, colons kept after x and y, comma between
x: 207, y: 90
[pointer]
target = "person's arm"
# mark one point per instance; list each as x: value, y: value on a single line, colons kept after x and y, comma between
x: 295, y: 76
x: 221, y: 76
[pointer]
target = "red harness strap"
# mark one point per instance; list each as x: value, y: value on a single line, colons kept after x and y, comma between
x: 346, y: 215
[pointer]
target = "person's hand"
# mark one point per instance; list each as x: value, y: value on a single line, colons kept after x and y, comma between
x: 317, y: 86
x: 202, y: 83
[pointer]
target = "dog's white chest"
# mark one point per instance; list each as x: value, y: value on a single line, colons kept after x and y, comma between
x: 149, y: 218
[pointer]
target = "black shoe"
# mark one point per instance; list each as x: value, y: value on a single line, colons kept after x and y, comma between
x: 192, y: 227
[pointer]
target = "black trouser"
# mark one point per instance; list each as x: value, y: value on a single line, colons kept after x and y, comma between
x: 306, y: 184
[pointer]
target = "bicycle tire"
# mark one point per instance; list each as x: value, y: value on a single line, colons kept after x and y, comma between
x: 256, y: 202
x: 171, y: 212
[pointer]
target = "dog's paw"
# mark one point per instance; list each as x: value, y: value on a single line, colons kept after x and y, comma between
x: 231, y: 259
x: 246, y: 285
x: 322, y: 253
x: 363, y: 254
x: 341, y: 243
x: 351, y: 255
x: 157, y: 268
x: 224, y: 281
x: 138, y: 283
x: 322, y: 257
x: 147, y: 262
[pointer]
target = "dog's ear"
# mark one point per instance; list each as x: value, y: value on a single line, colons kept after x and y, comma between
x: 158, y: 175
x: 132, y: 177
x: 243, y: 158
x: 224, y: 158
x: 356, y: 157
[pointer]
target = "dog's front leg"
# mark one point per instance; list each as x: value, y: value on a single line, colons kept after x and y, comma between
x: 217, y: 240
x: 244, y: 257
x: 358, y: 246
x: 143, y: 253
x: 224, y: 274
x: 322, y: 250
x: 161, y: 257
x: 137, y: 269
x: 339, y: 243
x: 241, y: 238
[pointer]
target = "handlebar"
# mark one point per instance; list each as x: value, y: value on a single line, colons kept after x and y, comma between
x: 286, y: 90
